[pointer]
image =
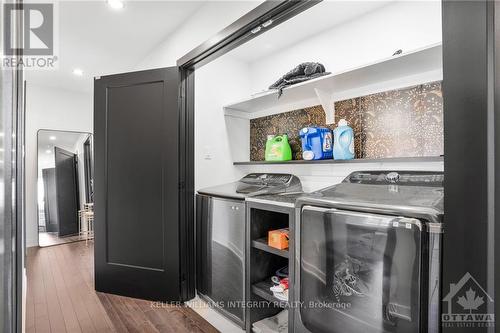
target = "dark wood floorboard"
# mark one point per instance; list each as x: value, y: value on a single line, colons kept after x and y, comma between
x: 51, y: 238
x: 61, y: 298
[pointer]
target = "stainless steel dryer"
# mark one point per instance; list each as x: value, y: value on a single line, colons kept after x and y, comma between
x: 367, y: 255
x: 220, y: 238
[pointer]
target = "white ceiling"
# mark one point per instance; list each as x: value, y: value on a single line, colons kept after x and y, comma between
x: 317, y: 19
x: 61, y: 139
x: 100, y: 40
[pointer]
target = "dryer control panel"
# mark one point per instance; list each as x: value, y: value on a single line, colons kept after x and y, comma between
x: 268, y: 183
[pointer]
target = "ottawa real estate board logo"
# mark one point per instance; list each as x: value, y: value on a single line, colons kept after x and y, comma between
x: 29, y: 36
x: 467, y: 305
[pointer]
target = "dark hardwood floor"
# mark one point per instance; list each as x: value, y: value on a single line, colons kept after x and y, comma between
x: 51, y: 238
x: 61, y: 298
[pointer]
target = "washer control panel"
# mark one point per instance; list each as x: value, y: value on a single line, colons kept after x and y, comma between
x: 268, y: 183
x: 408, y: 178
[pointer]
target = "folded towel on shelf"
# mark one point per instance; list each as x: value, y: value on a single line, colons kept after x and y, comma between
x: 303, y: 72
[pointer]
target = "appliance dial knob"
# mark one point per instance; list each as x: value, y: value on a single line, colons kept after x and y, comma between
x: 392, y: 177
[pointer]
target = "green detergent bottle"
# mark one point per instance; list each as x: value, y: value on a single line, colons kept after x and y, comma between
x: 278, y: 148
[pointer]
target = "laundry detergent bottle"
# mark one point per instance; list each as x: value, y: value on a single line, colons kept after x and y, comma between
x: 316, y: 143
x: 278, y: 148
x: 343, y: 141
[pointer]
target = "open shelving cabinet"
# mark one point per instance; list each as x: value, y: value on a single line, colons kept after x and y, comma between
x: 408, y: 69
x: 263, y: 261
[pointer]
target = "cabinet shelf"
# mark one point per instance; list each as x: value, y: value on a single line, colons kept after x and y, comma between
x: 358, y: 160
x: 412, y: 68
x: 261, y: 244
x: 262, y: 289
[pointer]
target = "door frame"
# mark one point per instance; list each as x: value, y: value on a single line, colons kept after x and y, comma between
x: 88, y: 169
x: 12, y: 174
x: 458, y: 51
x: 471, y: 76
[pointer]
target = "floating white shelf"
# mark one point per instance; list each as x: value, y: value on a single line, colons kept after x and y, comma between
x: 412, y: 68
x: 356, y: 160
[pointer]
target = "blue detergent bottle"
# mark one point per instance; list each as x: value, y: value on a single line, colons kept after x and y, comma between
x: 343, y: 141
x: 316, y: 143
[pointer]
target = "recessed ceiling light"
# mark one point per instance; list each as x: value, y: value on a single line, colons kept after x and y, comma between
x: 48, y: 151
x: 52, y: 138
x: 115, y: 4
x: 78, y: 72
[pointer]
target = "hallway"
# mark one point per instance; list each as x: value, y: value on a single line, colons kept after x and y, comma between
x: 61, y: 298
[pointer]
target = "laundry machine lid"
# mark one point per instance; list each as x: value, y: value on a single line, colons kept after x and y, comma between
x: 223, y: 191
x: 416, y: 194
x: 255, y: 184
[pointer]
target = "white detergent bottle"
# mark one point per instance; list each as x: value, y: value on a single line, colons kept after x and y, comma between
x: 343, y: 141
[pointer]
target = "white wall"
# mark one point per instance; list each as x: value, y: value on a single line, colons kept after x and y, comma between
x: 49, y: 108
x: 45, y: 161
x: 406, y: 25
x: 218, y: 138
x: 78, y: 149
x: 315, y: 177
x: 204, y: 24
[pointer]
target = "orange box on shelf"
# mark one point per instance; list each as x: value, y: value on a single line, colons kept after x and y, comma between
x: 278, y: 239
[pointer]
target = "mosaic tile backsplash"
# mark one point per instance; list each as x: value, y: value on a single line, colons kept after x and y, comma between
x: 398, y: 123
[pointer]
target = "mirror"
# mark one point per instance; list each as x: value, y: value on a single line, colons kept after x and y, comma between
x: 65, y: 187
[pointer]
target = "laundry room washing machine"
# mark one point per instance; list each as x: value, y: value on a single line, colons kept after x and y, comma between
x: 221, y: 236
x: 367, y: 255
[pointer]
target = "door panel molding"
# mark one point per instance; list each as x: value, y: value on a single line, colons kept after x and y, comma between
x: 66, y: 179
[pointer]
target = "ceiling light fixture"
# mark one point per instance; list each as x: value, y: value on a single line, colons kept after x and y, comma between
x: 262, y: 26
x: 116, y: 4
x: 267, y: 23
x: 48, y: 151
x: 52, y: 138
x: 77, y: 72
x: 256, y: 29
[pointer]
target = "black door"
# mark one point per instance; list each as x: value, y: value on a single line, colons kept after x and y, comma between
x: 136, y: 196
x: 66, y: 192
x: 50, y: 200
